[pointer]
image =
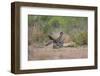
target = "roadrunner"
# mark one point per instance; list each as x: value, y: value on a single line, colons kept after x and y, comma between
x: 57, y: 43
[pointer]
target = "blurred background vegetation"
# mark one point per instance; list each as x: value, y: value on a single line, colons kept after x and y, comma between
x: 40, y: 26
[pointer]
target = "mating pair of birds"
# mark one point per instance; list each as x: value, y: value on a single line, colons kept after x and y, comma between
x: 58, y: 42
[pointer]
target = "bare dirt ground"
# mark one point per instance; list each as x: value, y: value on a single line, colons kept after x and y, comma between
x: 48, y: 53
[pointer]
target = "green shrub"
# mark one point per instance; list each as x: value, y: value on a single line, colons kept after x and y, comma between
x: 80, y: 38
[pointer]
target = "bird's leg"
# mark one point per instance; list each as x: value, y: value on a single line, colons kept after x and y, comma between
x: 50, y: 42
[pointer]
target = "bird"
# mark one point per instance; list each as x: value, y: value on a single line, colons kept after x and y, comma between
x: 58, y: 42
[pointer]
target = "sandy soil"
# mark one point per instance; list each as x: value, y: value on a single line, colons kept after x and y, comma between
x: 49, y: 53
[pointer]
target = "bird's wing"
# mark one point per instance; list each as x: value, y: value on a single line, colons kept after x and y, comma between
x: 50, y: 37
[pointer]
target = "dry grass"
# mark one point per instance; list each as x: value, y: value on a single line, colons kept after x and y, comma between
x: 48, y: 53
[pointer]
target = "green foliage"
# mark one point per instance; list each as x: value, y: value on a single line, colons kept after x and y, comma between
x: 80, y: 38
